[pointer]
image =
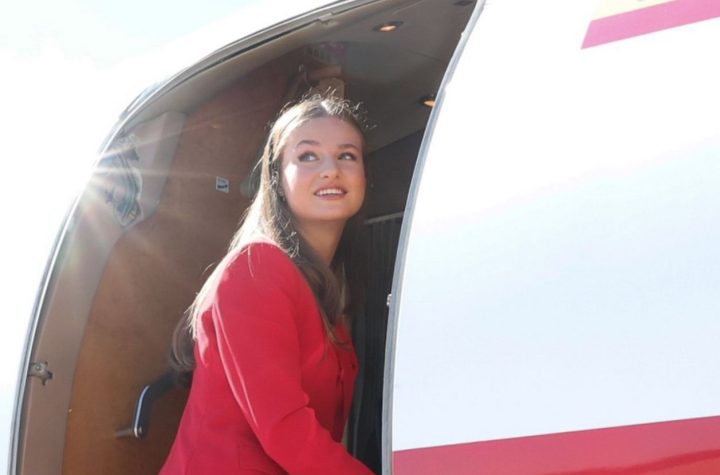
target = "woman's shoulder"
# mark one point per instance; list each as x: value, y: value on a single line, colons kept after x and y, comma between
x: 261, y: 260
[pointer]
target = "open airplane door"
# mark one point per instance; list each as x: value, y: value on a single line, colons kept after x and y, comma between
x: 555, y: 308
x: 165, y: 198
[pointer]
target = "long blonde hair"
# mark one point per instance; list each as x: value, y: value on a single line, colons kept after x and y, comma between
x: 269, y: 219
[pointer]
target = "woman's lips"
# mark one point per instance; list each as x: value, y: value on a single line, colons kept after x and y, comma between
x: 333, y: 192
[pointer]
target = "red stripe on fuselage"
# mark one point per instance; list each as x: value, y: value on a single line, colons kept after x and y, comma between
x: 649, y: 19
x: 668, y: 448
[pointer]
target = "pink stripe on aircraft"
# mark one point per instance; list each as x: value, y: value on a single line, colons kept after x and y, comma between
x: 683, y: 447
x: 649, y: 19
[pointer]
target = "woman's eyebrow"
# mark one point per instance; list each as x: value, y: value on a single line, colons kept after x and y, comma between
x: 316, y: 143
x: 307, y: 142
x: 349, y: 145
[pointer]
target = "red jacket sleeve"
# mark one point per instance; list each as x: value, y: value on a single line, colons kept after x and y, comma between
x: 254, y: 314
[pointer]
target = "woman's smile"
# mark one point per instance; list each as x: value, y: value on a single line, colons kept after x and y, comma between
x: 331, y: 193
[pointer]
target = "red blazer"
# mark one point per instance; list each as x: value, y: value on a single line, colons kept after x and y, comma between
x: 270, y: 393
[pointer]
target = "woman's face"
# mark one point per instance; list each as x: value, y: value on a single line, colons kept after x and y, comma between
x: 323, y: 177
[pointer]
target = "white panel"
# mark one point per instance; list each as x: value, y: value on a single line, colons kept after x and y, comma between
x: 563, y: 265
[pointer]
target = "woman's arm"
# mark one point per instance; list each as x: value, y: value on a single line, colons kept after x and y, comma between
x: 257, y: 337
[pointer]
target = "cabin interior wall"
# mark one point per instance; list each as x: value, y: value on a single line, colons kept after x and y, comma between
x: 153, y: 274
x: 391, y: 170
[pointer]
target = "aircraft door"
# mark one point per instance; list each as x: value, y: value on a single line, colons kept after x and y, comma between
x: 556, y: 283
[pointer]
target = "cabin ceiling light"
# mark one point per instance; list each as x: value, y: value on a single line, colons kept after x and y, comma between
x: 428, y: 100
x: 388, y: 26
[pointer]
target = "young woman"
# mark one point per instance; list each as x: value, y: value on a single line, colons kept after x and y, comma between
x: 274, y: 367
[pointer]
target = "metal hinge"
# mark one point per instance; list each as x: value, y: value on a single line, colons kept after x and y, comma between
x: 39, y: 369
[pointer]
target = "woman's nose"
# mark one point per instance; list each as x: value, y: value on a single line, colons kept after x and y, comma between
x: 330, y: 168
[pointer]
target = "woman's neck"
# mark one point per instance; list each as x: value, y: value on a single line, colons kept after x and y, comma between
x: 323, y: 238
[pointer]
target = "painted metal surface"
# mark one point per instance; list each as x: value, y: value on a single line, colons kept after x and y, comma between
x: 558, y: 296
x: 672, y: 448
x: 620, y: 19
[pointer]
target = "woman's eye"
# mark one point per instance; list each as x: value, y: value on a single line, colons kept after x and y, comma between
x: 307, y: 157
x: 347, y: 156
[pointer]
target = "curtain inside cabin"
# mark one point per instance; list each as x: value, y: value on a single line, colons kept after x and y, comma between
x: 364, y: 434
